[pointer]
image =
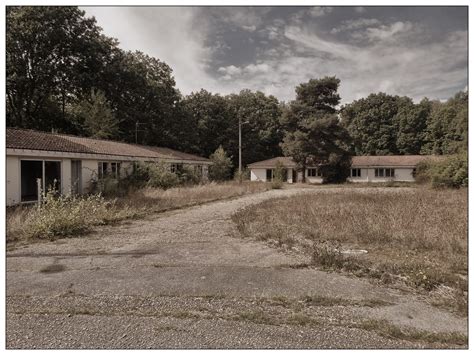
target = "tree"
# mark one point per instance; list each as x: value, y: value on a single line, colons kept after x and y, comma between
x: 221, y: 165
x: 370, y: 122
x: 261, y: 133
x: 314, y: 135
x: 208, y: 121
x: 411, y: 120
x: 446, y: 131
x: 96, y: 116
x: 142, y: 89
x: 54, y: 55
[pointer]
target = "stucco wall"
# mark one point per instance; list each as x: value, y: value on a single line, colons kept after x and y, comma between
x: 368, y: 175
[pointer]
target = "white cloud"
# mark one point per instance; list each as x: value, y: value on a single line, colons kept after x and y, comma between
x: 387, y: 31
x: 392, y: 57
x: 319, y: 11
x: 355, y: 24
x: 360, y: 9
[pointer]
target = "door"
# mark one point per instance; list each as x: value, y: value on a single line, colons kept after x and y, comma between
x: 30, y: 171
x: 76, y: 176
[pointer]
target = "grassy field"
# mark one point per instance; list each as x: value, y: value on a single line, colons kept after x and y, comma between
x: 416, y: 237
x: 68, y: 216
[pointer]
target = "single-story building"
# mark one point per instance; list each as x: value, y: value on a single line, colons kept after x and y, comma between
x: 264, y: 171
x: 75, y: 162
x: 363, y: 169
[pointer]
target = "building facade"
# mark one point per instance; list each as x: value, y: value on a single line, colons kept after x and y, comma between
x: 363, y: 169
x: 36, y: 161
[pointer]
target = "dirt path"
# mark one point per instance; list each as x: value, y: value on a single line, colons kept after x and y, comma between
x: 184, y: 279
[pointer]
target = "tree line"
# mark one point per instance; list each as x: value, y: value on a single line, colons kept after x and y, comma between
x: 64, y: 74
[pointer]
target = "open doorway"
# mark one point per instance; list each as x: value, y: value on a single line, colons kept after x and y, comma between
x: 49, y: 172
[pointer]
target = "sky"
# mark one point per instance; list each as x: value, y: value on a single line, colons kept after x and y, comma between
x: 413, y: 51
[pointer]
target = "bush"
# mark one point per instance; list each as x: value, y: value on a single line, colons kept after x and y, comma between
x: 188, y: 176
x: 221, y: 165
x: 451, y: 172
x: 277, y: 181
x: 69, y: 215
x: 245, y: 175
x: 160, y: 176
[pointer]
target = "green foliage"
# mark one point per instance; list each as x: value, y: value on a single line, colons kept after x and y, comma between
x: 382, y: 124
x: 69, y: 215
x: 451, y: 172
x: 244, y: 175
x: 187, y: 175
x: 160, y: 176
x: 371, y: 123
x: 447, y: 125
x: 221, y: 165
x: 55, y: 55
x: 278, y: 176
x: 313, y: 133
x: 97, y: 117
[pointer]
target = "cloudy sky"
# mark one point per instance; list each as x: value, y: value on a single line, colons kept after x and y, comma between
x: 413, y: 51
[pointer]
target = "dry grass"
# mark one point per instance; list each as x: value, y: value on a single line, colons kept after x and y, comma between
x: 157, y: 200
x: 416, y: 235
x: 75, y: 216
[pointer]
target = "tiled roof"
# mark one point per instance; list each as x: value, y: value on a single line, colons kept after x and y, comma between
x: 35, y: 140
x: 366, y: 160
x: 390, y: 160
x: 270, y: 163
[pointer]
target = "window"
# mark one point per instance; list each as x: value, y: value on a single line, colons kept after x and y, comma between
x: 175, y: 168
x: 108, y: 168
x: 102, y: 169
x: 314, y: 172
x: 355, y: 173
x: 115, y: 169
x: 384, y: 172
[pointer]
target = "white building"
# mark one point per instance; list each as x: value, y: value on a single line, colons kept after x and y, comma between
x: 75, y: 162
x: 363, y: 169
x: 264, y: 171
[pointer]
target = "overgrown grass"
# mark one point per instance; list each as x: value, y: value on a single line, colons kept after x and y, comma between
x: 68, y: 216
x: 417, y: 235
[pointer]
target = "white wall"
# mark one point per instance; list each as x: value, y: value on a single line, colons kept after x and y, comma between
x: 13, y: 180
x: 368, y: 175
x: 258, y: 174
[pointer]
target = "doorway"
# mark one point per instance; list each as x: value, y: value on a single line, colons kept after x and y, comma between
x: 49, y: 173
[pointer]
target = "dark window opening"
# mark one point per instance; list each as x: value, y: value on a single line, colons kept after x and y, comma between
x: 31, y: 170
x: 355, y: 173
x: 269, y: 174
x: 52, y: 175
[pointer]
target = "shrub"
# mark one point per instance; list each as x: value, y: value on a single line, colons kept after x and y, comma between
x: 69, y: 215
x: 245, y: 175
x: 221, y: 165
x: 160, y: 176
x: 188, y: 176
x: 450, y: 172
x: 327, y: 253
x: 277, y: 181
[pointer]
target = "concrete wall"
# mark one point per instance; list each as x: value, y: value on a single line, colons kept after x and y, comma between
x: 13, y: 180
x: 368, y: 175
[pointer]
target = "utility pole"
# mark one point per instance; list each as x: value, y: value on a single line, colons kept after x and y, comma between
x: 240, y: 149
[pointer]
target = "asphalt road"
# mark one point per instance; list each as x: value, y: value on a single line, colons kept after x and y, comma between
x: 185, y: 279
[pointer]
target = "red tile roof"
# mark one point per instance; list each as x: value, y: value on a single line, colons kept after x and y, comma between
x: 35, y: 140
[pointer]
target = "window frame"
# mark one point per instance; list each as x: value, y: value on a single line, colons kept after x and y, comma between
x: 358, y: 172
